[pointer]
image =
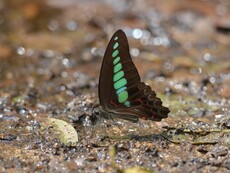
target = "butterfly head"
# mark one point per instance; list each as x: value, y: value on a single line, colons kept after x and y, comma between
x: 96, y: 111
x: 99, y: 112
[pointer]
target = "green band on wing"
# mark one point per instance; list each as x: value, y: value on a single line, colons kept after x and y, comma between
x: 115, y: 45
x: 115, y: 53
x: 117, y: 68
x: 117, y: 59
x: 127, y: 103
x: 118, y: 76
x: 122, y: 82
x: 121, y: 89
x: 123, y: 96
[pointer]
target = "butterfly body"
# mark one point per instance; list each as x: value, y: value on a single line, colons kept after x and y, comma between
x: 121, y: 93
x: 110, y: 114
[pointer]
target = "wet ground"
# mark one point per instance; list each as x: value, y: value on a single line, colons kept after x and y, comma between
x: 50, y: 58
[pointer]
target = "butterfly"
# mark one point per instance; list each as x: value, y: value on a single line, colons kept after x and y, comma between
x: 121, y: 93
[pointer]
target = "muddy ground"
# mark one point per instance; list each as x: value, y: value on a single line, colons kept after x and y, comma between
x: 50, y: 58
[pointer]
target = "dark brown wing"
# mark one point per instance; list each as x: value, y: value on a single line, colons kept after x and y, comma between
x: 143, y: 104
x: 120, y: 89
x: 107, y: 93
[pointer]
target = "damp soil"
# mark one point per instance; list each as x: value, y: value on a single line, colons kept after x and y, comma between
x: 50, y: 58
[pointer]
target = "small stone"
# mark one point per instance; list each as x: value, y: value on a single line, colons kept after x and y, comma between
x: 219, y: 151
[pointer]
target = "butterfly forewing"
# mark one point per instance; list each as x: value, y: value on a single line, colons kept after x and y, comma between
x: 116, y: 63
x: 120, y: 89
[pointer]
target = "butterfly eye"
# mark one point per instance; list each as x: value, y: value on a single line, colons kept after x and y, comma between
x: 96, y: 111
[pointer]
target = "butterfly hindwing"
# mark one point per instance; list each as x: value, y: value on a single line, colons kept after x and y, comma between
x: 144, y: 104
x: 120, y: 89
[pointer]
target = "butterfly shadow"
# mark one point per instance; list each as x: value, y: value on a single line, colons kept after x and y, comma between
x: 135, y: 135
x: 149, y: 137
